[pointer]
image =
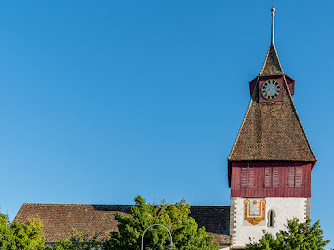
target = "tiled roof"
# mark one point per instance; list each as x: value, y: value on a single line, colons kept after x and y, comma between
x: 59, y: 220
x: 272, y: 131
x: 271, y: 65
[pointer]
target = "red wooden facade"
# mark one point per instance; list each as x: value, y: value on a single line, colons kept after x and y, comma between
x: 271, y: 179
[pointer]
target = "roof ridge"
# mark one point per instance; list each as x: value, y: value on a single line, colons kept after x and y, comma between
x: 73, y: 204
x: 208, y: 206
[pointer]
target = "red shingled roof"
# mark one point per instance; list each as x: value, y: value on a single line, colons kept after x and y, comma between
x: 60, y: 220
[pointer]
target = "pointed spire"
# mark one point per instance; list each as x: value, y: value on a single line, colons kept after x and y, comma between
x: 271, y: 65
x: 272, y: 25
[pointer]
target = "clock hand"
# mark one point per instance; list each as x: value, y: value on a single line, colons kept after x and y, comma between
x: 269, y: 91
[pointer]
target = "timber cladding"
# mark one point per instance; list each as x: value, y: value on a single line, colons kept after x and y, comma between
x: 253, y: 180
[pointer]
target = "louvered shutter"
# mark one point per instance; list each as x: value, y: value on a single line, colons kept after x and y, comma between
x: 244, y: 177
x: 299, y: 177
x: 275, y: 177
x: 251, y: 177
x: 267, y: 177
x: 291, y: 177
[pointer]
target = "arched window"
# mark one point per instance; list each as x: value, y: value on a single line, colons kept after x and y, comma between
x: 271, y: 218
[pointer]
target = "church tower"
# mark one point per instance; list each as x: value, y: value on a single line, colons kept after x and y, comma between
x: 270, y: 164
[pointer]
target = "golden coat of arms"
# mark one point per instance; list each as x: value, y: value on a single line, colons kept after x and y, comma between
x: 255, y: 210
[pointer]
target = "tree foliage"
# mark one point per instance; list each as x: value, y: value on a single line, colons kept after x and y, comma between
x: 15, y: 236
x: 79, y: 241
x: 184, y: 229
x: 298, y: 236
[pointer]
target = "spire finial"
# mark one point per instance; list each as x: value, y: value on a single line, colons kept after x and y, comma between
x: 272, y: 25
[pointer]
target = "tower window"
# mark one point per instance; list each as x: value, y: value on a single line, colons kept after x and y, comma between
x: 299, y: 177
x: 275, y: 177
x: 247, y: 177
x: 271, y: 177
x: 267, y: 177
x: 295, y: 177
x: 291, y: 177
x: 271, y: 218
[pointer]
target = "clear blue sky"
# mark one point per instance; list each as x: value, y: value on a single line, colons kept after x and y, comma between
x: 104, y: 100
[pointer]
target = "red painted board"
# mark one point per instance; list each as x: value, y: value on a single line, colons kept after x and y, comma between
x: 259, y: 189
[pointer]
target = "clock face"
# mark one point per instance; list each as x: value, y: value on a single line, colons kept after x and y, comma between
x: 270, y: 89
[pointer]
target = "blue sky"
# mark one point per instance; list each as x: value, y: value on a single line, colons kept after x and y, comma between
x: 104, y: 100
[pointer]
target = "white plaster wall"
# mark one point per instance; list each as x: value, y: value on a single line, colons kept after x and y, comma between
x: 285, y: 208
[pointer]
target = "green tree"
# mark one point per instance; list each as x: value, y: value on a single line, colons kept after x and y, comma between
x: 185, y: 232
x: 15, y: 236
x: 298, y: 236
x: 80, y: 241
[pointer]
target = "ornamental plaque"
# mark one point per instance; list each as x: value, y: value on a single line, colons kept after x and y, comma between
x: 255, y: 210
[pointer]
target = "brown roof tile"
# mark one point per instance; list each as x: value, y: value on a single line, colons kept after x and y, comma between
x: 271, y: 65
x: 61, y: 219
x: 272, y: 132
